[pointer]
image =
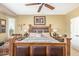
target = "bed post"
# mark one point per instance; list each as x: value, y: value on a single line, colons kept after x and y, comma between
x: 11, y: 41
x: 68, y: 45
x: 30, y: 27
x: 50, y: 29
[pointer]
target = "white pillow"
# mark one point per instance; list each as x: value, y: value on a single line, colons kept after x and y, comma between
x: 45, y: 34
x: 32, y: 35
x: 38, y: 35
x: 35, y: 35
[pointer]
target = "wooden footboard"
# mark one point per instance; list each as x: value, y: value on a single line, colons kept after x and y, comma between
x: 39, y: 49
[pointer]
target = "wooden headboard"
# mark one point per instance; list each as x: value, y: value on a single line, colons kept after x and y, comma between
x: 39, y: 28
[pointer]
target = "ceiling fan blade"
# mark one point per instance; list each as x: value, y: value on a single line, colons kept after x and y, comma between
x: 40, y: 7
x: 49, y: 6
x: 32, y: 4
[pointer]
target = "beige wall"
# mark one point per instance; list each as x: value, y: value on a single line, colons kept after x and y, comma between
x: 73, y: 13
x: 3, y: 35
x: 57, y: 21
x: 69, y: 16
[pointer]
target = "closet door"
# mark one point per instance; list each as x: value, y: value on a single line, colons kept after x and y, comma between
x: 75, y: 33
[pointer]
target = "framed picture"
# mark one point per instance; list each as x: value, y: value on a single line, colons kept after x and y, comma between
x: 39, y: 20
x: 2, y: 22
x: 2, y: 25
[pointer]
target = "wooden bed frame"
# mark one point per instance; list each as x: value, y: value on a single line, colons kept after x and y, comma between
x: 65, y: 45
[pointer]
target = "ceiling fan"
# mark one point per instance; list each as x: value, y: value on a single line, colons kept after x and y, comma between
x: 41, y: 5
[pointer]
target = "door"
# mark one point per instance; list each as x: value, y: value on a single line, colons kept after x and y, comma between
x: 75, y: 32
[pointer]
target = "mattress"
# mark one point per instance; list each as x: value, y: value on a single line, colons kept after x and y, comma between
x: 39, y: 40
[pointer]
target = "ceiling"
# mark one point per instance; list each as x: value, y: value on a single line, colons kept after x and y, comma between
x: 60, y: 8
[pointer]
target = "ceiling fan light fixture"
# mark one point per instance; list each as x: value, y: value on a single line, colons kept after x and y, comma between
x: 40, y: 7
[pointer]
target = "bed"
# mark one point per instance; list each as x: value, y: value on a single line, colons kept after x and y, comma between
x: 39, y: 43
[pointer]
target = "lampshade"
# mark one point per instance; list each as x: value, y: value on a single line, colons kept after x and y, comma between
x: 25, y: 30
x: 55, y: 30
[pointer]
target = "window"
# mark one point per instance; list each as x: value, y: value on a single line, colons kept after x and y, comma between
x: 11, y: 26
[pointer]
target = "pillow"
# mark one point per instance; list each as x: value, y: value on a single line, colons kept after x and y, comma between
x: 45, y: 35
x: 35, y: 35
x: 32, y: 35
x: 38, y: 35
